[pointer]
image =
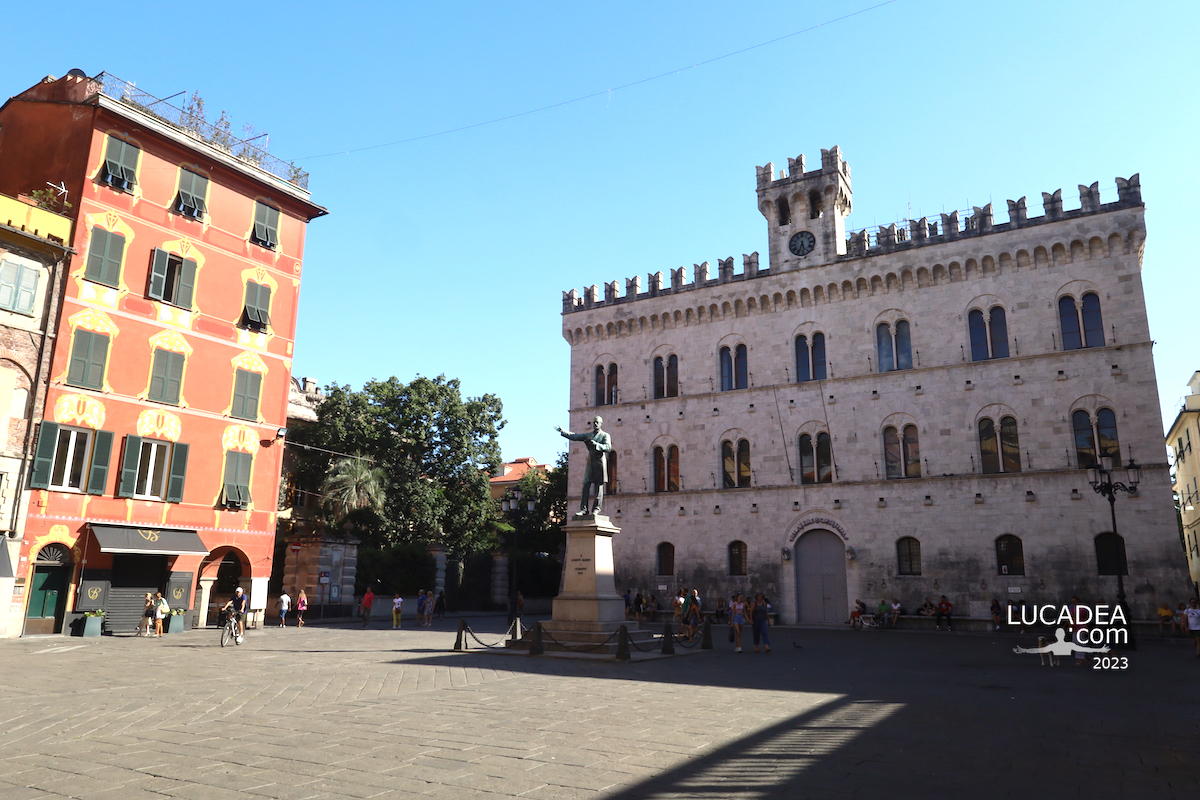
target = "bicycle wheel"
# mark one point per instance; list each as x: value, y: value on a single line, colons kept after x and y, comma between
x: 225, y: 635
x: 237, y: 634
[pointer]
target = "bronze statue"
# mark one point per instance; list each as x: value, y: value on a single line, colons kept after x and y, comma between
x: 598, y: 443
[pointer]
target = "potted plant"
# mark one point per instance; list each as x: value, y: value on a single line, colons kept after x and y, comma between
x: 93, y: 622
x: 177, y: 621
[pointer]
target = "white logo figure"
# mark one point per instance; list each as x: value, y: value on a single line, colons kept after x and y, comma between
x: 1061, y: 647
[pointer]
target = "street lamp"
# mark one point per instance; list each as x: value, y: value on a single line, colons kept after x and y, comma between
x: 512, y: 505
x: 1100, y: 477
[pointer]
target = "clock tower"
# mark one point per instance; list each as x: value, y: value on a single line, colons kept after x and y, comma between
x: 806, y: 211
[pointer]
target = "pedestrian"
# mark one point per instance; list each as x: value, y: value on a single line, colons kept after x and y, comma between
x: 301, y: 607
x: 367, y: 601
x: 927, y: 610
x: 881, y: 612
x: 895, y: 616
x: 760, y: 620
x: 1179, y: 621
x: 996, y: 613
x: 1192, y: 612
x: 429, y: 608
x: 651, y: 608
x: 856, y: 615
x: 397, y: 605
x: 693, y: 614
x: 285, y: 604
x: 147, y: 616
x: 737, y: 618
x: 677, y: 611
x: 161, y: 610
x: 944, y: 607
x: 421, y: 607
x: 439, y: 605
x: 628, y: 603
x: 639, y: 603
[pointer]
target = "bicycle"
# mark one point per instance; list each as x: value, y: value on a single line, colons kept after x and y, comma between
x: 229, y: 629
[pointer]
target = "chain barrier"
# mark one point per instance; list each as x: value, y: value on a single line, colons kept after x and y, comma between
x: 499, y: 645
x: 580, y: 648
x: 655, y: 644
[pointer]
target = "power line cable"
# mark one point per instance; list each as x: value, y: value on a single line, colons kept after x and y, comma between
x: 602, y: 91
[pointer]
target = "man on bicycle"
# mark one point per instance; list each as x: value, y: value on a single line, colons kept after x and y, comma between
x: 237, y: 605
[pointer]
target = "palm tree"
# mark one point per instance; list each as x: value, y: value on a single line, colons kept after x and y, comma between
x: 354, y: 483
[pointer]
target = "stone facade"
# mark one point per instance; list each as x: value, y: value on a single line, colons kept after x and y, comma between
x: 815, y: 547
x: 1186, y: 472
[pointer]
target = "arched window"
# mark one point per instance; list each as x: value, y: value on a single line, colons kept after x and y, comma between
x: 978, y: 328
x: 735, y: 464
x: 908, y: 556
x: 612, y: 385
x: 666, y: 376
x: 785, y: 211
x: 810, y: 362
x: 741, y: 367
x: 998, y: 328
x: 816, y: 458
x: 999, y: 451
x: 611, y: 487
x: 892, y: 465
x: 666, y: 559
x: 1010, y: 557
x: 606, y: 385
x: 989, y: 334
x: 893, y: 346
x: 737, y: 558
x: 1087, y: 435
x: 901, y: 452
x: 1083, y: 317
x: 814, y: 204
x: 666, y: 469
x: 726, y: 369
x: 601, y: 385
x: 1110, y: 554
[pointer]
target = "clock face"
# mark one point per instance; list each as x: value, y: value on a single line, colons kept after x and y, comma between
x: 802, y: 243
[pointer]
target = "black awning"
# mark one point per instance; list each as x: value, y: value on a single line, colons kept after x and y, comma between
x: 148, y: 541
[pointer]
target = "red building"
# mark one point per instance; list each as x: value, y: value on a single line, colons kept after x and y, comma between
x: 158, y: 453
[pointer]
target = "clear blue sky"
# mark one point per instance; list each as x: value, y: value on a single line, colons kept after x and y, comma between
x: 449, y: 254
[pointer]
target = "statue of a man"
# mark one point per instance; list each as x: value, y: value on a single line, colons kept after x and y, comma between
x: 598, y: 443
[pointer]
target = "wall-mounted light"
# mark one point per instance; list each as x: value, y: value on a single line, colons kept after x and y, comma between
x: 787, y: 554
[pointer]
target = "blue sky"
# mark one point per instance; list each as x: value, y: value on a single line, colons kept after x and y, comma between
x: 449, y: 254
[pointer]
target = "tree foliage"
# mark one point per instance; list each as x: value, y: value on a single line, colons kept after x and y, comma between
x: 354, y: 483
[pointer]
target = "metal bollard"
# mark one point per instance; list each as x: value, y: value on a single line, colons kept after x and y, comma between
x: 623, y: 643
x: 460, y: 642
x: 535, y: 648
x: 706, y: 637
x: 668, y: 648
x: 516, y: 629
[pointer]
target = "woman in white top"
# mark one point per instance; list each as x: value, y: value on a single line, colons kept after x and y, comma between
x: 737, y: 618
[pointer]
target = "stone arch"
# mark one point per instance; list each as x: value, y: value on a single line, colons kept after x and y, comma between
x: 892, y: 282
x: 939, y: 274
x: 861, y: 288
x: 955, y: 272
x: 906, y: 279
x: 1078, y: 251
x: 751, y: 306
x: 690, y: 318
x: 739, y: 308
x: 1023, y: 259
x: 714, y: 312
x: 1116, y: 245
x: 1096, y: 248
x: 923, y: 277
x: 764, y: 304
x: 676, y: 319
x: 777, y: 302
x: 971, y: 269
x: 831, y: 291
x: 818, y: 295
x: 726, y: 310
x: 1040, y: 257
x: 791, y: 298
x: 847, y: 290
x: 805, y: 298
x: 988, y: 266
x: 1059, y: 255
x: 876, y: 285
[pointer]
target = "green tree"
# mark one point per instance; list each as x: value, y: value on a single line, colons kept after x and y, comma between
x: 354, y: 483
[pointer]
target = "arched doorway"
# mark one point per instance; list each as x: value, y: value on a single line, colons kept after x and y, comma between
x: 48, y: 588
x: 820, y: 558
x: 223, y: 570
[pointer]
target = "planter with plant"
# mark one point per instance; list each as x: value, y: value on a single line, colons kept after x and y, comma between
x: 93, y: 622
x: 176, y: 621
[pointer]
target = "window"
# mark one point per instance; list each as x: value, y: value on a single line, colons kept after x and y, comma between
x: 1110, y: 554
x: 785, y: 211
x: 666, y: 559
x: 666, y: 376
x: 120, y: 164
x: 901, y: 452
x: 612, y: 485
x: 814, y: 204
x: 1083, y: 316
x: 18, y: 286
x: 894, y: 346
x: 1088, y: 433
x: 810, y: 362
x: 666, y: 469
x: 246, y: 388
x: 816, y: 458
x: 989, y: 334
x: 193, y: 188
x: 257, y: 312
x: 71, y: 459
x: 908, y: 556
x: 153, y: 470
x: 89, y: 352
x: 606, y: 385
x: 166, y: 376
x: 172, y: 279
x: 737, y: 558
x: 999, y: 453
x: 236, y: 490
x: 735, y: 463
x: 1010, y: 557
x: 734, y: 368
x: 266, y: 226
x: 104, y: 257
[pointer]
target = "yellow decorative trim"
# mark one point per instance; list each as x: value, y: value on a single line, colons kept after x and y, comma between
x: 43, y: 497
x: 87, y: 498
x: 206, y: 220
x: 251, y: 362
x: 241, y: 438
x: 253, y: 339
x: 165, y: 508
x: 155, y: 423
x: 184, y: 248
x: 98, y: 293
x: 173, y: 315
x: 129, y: 510
x: 96, y: 321
x: 78, y: 409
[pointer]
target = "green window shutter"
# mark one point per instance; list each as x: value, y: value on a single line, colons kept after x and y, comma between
x: 158, y: 273
x: 239, y: 394
x: 129, y: 159
x: 273, y: 225
x: 185, y: 287
x: 101, y: 454
x: 97, y: 255
x: 253, y: 389
x: 252, y: 311
x: 9, y: 276
x: 260, y: 223
x: 97, y: 357
x: 113, y: 160
x: 43, y: 458
x: 179, y: 457
x: 160, y: 377
x: 264, y: 304
x: 233, y: 496
x: 244, y: 463
x: 77, y: 368
x: 129, y: 466
x: 26, y: 290
x: 199, y: 191
x: 174, y: 387
x: 113, y: 258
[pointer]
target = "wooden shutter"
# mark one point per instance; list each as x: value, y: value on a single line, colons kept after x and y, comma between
x: 240, y: 379
x: 199, y: 190
x: 97, y: 356
x: 273, y: 225
x: 101, y: 455
x: 264, y: 304
x: 113, y: 160
x: 250, y: 401
x: 77, y: 367
x: 43, y: 458
x: 252, y: 302
x: 158, y: 375
x: 158, y: 274
x: 244, y: 463
x: 260, y: 223
x: 233, y: 496
x: 129, y: 159
x: 97, y: 253
x: 9, y: 275
x: 174, y: 386
x: 185, y: 287
x: 26, y: 290
x: 129, y: 466
x: 179, y: 457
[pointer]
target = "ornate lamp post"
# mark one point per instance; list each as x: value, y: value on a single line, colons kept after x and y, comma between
x: 1101, y: 478
x: 511, y: 504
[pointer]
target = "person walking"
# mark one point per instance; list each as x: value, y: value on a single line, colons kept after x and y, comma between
x: 760, y: 620
x: 693, y: 613
x: 397, y: 605
x: 367, y: 601
x: 737, y: 618
x: 421, y: 608
x: 944, y: 607
x: 301, y: 607
x: 161, y: 610
x: 439, y: 605
x: 429, y: 608
x: 677, y: 611
x: 285, y: 605
x: 1192, y: 612
x: 147, y: 616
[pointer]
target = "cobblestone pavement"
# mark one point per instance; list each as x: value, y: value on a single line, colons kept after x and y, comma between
x: 342, y: 712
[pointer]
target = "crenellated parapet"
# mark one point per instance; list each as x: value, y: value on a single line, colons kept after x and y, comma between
x: 656, y: 285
